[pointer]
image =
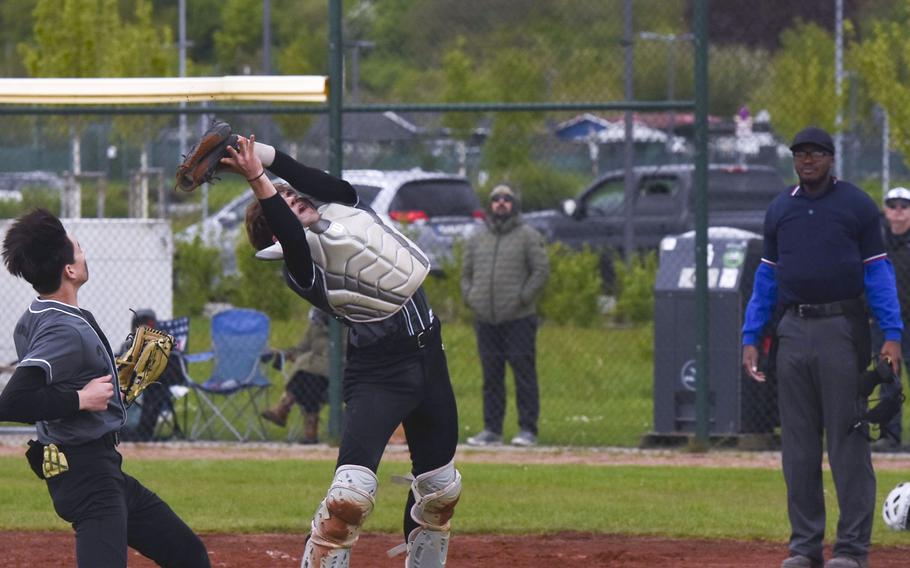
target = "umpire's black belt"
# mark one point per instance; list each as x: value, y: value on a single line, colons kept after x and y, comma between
x: 852, y: 307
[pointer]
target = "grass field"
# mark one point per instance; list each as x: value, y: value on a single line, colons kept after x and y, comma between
x: 595, y: 384
x: 252, y: 496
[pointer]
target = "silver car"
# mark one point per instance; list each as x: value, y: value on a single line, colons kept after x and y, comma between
x: 432, y: 208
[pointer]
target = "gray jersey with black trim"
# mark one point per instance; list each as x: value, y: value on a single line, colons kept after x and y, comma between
x: 61, y: 340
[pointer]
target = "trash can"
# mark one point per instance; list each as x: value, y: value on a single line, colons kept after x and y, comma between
x: 737, y: 404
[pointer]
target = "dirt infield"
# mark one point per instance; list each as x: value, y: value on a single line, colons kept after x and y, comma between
x: 15, y: 446
x: 24, y: 549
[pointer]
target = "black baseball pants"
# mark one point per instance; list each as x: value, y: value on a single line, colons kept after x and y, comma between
x: 391, y: 385
x: 110, y: 510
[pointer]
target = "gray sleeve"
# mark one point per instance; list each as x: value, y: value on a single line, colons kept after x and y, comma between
x: 56, y: 349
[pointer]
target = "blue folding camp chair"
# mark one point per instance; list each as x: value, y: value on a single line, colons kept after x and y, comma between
x: 179, y: 328
x: 230, y: 399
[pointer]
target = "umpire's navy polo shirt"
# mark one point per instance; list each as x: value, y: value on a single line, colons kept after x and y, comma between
x: 819, y: 244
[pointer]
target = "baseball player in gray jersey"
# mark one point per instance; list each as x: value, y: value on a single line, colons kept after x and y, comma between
x: 64, y: 383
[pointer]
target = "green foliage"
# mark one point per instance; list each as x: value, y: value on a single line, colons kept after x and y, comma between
x: 16, y: 25
x: 260, y: 285
x: 798, y: 86
x: 541, y: 186
x: 72, y: 38
x: 635, y: 287
x: 144, y: 50
x: 443, y: 288
x: 461, y: 85
x: 197, y: 274
x: 32, y: 198
x: 573, y: 288
x: 883, y: 61
x: 238, y: 41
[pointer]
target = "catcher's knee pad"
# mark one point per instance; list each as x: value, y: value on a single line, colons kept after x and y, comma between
x: 436, y: 493
x: 338, y: 519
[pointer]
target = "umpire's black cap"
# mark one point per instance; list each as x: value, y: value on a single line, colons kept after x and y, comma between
x: 814, y: 136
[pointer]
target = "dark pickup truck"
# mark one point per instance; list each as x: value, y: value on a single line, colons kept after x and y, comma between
x: 663, y: 205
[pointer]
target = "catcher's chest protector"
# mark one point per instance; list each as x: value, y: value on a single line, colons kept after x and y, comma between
x: 370, y: 269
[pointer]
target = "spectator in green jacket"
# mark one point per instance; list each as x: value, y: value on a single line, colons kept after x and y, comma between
x: 505, y: 269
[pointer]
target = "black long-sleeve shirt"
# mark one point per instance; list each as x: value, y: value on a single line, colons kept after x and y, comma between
x: 27, y: 398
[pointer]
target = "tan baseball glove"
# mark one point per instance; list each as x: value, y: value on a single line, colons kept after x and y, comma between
x: 144, y: 361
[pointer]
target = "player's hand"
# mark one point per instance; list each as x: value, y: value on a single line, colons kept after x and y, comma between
x: 892, y: 350
x: 243, y: 161
x: 95, y: 395
x: 750, y: 363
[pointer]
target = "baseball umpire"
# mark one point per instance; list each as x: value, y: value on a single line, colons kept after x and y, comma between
x: 340, y: 257
x: 64, y: 383
x: 823, y: 262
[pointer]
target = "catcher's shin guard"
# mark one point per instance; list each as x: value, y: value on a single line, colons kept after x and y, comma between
x: 336, y: 525
x: 436, y: 493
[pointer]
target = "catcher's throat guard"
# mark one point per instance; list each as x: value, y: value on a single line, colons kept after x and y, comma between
x: 144, y: 361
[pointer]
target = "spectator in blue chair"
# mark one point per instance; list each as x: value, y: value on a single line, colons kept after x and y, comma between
x: 157, y: 398
x: 307, y: 367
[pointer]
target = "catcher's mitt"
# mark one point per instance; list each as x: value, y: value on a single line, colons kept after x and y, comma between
x: 143, y: 362
x: 202, y: 161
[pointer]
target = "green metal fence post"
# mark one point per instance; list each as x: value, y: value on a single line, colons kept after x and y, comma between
x: 702, y: 407
x: 335, y: 102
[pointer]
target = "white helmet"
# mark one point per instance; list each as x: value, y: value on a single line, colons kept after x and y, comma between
x: 896, y: 506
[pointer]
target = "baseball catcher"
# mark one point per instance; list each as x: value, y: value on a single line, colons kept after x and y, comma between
x: 144, y: 361
x: 204, y: 158
x: 341, y: 257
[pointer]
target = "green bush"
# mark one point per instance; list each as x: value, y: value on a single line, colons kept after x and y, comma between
x: 443, y: 288
x: 197, y: 277
x: 635, y: 288
x: 31, y: 198
x: 572, y: 291
x: 540, y: 185
x: 260, y: 285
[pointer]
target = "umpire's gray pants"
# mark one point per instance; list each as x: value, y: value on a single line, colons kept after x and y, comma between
x: 817, y: 381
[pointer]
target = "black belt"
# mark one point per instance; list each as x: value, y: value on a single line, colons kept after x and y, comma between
x: 109, y: 440
x: 400, y: 344
x: 842, y: 308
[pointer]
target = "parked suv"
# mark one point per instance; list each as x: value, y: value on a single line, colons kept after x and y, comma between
x: 432, y: 208
x: 663, y: 204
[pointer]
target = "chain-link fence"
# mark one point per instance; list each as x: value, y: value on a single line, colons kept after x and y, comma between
x: 612, y: 334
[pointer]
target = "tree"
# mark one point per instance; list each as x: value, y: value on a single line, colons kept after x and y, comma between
x: 145, y: 51
x: 301, y: 54
x: 799, y: 89
x: 461, y: 85
x: 883, y: 61
x: 238, y: 42
x: 73, y: 38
